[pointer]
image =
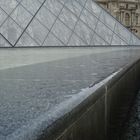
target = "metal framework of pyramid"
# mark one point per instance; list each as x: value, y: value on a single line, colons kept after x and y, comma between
x: 59, y: 23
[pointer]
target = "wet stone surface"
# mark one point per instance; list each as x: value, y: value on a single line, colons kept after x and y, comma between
x: 29, y: 92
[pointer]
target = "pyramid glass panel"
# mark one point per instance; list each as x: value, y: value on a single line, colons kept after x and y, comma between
x: 60, y: 23
x: 3, y: 42
x: 75, y: 40
x: 52, y: 40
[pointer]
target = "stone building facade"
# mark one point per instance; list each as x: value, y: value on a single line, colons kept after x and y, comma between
x: 126, y: 11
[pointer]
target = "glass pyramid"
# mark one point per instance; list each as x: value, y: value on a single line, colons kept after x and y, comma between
x: 59, y: 23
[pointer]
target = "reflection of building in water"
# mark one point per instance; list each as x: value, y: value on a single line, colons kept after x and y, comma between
x: 126, y: 11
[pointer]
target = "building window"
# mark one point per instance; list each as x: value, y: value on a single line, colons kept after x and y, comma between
x: 127, y: 19
x: 136, y: 19
x: 126, y: 6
